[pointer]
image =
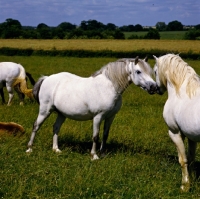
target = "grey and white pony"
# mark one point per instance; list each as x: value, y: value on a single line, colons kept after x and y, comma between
x: 13, y: 77
x: 181, y: 111
x: 97, y: 98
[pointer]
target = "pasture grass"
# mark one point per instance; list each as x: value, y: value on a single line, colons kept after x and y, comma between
x: 141, y: 159
x: 170, y: 46
x: 164, y: 35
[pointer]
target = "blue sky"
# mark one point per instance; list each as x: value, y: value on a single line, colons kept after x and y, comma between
x: 118, y: 12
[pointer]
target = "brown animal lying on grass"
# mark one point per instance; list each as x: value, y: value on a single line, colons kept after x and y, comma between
x: 11, y: 128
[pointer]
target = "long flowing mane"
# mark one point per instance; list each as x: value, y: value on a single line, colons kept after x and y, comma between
x: 174, y: 69
x: 117, y: 74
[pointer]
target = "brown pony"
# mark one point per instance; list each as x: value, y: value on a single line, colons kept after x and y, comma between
x: 11, y: 128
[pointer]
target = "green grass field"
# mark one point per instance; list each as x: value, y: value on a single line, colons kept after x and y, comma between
x: 164, y: 35
x: 141, y: 159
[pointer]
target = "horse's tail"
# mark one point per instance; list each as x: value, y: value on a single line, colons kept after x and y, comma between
x: 36, y: 88
x: 23, y: 87
x: 21, y: 81
x: 30, y: 78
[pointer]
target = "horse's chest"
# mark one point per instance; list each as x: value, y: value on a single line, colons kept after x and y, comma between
x: 170, y: 114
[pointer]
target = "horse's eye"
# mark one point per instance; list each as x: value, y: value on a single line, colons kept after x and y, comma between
x: 137, y: 72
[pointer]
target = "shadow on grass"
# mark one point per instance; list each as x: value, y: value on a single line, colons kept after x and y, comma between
x: 116, y: 147
x: 111, y: 147
x: 197, y: 169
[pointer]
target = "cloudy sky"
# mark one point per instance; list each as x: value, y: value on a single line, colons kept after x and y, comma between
x: 118, y: 12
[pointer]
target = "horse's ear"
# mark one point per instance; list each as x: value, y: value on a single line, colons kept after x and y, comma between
x: 155, y: 58
x: 146, y: 59
x: 136, y: 60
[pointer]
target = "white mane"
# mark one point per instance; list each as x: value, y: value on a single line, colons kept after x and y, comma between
x: 116, y: 72
x: 172, y: 68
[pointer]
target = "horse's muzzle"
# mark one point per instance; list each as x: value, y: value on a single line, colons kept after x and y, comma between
x: 158, y: 91
x: 152, y: 88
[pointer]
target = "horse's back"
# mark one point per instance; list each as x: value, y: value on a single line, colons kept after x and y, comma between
x: 49, y: 85
x: 10, y: 70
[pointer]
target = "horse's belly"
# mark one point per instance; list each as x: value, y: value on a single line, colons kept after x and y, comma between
x: 190, y: 128
x: 194, y: 136
x: 78, y: 116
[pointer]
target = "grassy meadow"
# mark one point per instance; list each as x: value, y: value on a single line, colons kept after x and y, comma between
x: 171, y: 35
x: 141, y: 159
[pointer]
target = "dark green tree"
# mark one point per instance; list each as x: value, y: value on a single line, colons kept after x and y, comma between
x: 66, y: 26
x: 138, y: 27
x: 76, y: 33
x: 29, y: 34
x: 192, y: 34
x: 58, y: 33
x: 118, y: 34
x: 83, y: 25
x: 131, y: 28
x: 197, y: 27
x: 174, y: 26
x: 110, y: 26
x: 44, y: 31
x: 92, y: 25
x: 10, y: 29
x: 152, y: 34
x: 124, y: 28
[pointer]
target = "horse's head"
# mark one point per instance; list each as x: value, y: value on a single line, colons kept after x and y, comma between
x: 140, y: 73
x: 161, y: 87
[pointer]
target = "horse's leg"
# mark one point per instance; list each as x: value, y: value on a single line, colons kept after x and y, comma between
x: 107, y: 125
x: 178, y: 141
x: 56, y: 128
x: 2, y: 96
x: 10, y: 93
x: 39, y: 121
x: 191, y: 151
x: 96, y: 128
x: 191, y: 155
x: 20, y: 94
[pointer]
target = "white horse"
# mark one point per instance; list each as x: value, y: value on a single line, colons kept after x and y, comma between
x: 181, y: 111
x: 13, y: 75
x: 97, y: 98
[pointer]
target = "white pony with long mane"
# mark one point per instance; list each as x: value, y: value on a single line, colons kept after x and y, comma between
x: 97, y: 98
x: 13, y: 75
x: 181, y: 111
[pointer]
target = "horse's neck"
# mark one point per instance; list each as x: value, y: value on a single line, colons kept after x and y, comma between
x: 172, y: 93
x: 119, y: 89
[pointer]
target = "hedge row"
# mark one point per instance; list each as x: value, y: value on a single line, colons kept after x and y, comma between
x: 90, y: 53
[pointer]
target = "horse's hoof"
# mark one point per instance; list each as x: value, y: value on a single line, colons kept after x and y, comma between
x: 185, y: 188
x: 29, y: 150
x: 94, y: 157
x: 57, y: 150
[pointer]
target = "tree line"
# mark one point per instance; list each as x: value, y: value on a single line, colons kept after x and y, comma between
x: 91, y: 29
